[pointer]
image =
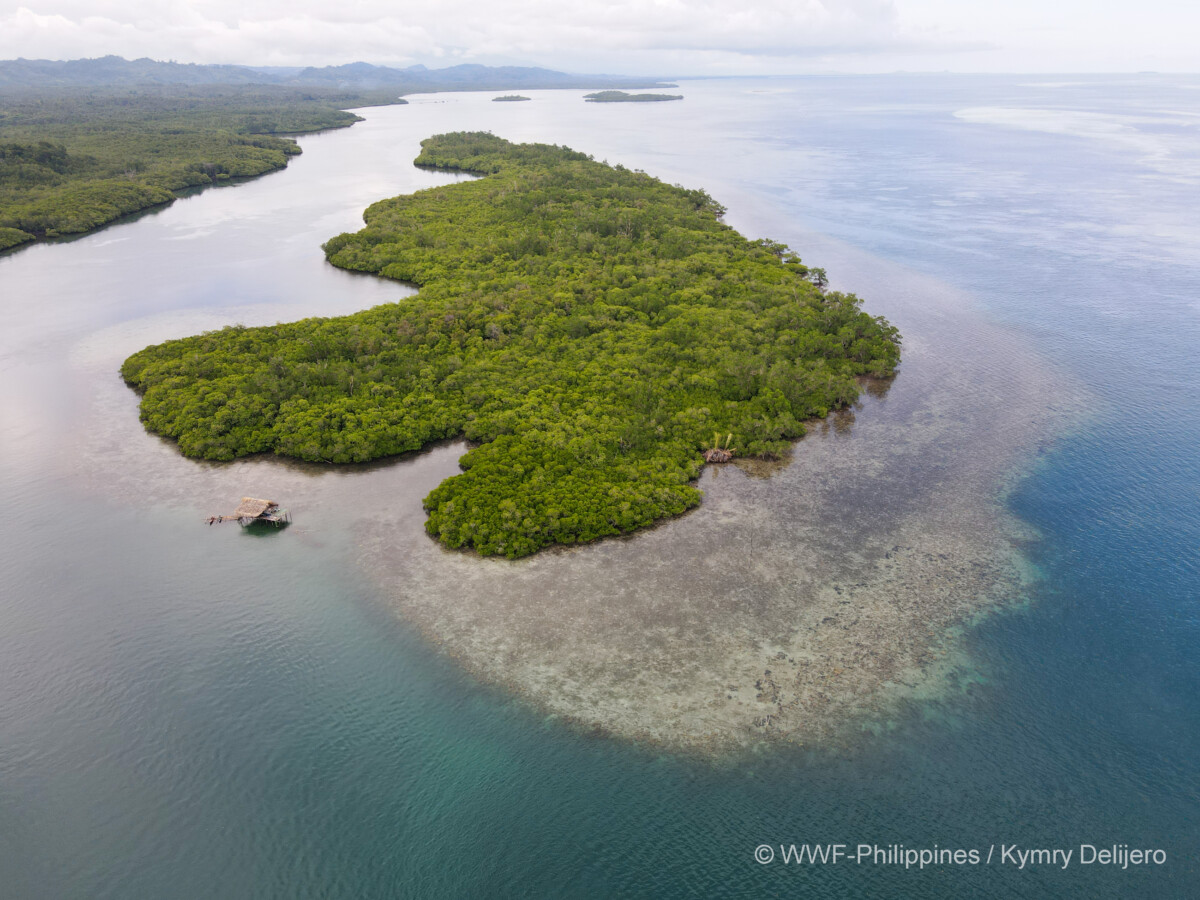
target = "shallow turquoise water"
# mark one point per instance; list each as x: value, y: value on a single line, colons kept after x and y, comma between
x: 193, y: 712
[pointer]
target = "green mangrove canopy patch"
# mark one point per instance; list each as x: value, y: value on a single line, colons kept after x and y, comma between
x: 588, y: 327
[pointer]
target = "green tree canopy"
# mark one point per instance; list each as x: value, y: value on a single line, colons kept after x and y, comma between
x: 588, y: 327
x: 72, y: 160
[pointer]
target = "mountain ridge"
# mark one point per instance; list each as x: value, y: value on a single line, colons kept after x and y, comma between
x: 116, y: 71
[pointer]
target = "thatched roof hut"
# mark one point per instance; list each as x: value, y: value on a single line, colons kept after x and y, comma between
x: 252, y: 508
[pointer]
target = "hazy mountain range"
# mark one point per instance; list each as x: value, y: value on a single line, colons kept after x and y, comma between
x: 110, y: 71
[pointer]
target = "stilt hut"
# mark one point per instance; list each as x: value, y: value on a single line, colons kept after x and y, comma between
x: 253, y: 511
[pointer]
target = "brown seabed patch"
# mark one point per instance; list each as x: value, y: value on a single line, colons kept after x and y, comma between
x: 797, y: 607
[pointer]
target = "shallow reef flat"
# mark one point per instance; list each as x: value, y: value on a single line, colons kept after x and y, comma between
x: 801, y: 602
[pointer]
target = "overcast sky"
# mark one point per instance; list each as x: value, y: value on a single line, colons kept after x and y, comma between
x: 667, y: 37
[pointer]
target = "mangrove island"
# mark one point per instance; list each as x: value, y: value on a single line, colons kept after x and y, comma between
x: 623, y: 97
x: 587, y: 327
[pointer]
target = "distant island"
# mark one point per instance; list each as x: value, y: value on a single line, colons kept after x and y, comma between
x: 590, y: 329
x: 509, y: 98
x: 85, y: 142
x: 622, y: 97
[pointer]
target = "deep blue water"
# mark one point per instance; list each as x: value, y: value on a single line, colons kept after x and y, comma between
x: 1088, y: 244
x: 230, y: 716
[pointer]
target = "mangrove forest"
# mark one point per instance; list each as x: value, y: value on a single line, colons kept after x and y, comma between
x: 75, y: 159
x: 586, y: 327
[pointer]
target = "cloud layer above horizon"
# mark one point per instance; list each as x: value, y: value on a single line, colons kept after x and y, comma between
x: 620, y: 36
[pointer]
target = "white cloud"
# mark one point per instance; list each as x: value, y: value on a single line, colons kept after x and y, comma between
x: 656, y: 36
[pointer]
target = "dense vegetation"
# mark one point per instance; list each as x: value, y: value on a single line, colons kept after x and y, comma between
x: 84, y: 142
x: 11, y: 237
x: 623, y: 97
x: 71, y: 162
x: 589, y: 327
x: 509, y: 98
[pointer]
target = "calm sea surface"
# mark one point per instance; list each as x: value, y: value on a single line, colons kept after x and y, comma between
x: 189, y: 712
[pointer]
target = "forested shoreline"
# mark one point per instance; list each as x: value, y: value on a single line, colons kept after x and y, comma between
x: 589, y: 328
x: 86, y: 142
x: 73, y: 160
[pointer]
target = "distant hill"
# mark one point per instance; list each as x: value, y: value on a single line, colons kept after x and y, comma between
x: 464, y: 77
x: 110, y: 71
x: 114, y: 71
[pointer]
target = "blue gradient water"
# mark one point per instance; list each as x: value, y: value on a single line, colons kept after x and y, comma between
x: 188, y: 712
